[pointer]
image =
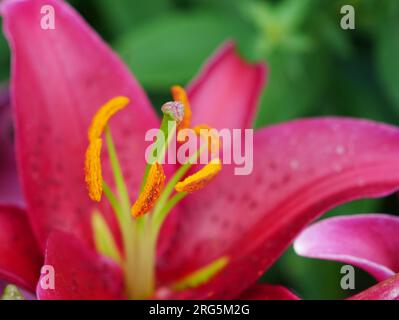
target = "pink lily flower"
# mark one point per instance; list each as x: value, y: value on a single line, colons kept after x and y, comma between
x: 369, y: 242
x: 59, y: 79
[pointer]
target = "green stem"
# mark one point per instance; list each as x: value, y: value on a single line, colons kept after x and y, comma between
x: 129, y: 234
x: 126, y: 223
x: 113, y: 200
x: 144, y: 269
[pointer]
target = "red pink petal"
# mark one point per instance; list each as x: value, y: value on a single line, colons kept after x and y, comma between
x: 301, y: 169
x: 20, y: 258
x: 10, y: 191
x: 386, y: 290
x: 59, y: 79
x: 80, y: 273
x: 268, y: 292
x: 369, y: 242
x: 226, y: 92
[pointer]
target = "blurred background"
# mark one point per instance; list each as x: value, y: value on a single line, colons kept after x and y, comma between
x: 316, y: 68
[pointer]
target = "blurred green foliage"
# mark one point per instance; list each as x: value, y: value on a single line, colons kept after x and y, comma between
x: 315, y: 68
x: 173, y: 60
x: 4, y: 59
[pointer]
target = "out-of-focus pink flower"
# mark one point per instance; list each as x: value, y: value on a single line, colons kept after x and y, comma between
x: 369, y: 242
x: 301, y: 169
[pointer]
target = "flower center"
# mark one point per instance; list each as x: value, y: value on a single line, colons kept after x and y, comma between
x: 141, y: 222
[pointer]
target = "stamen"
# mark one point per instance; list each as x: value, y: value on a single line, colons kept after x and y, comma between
x: 104, y: 114
x: 139, y: 236
x: 93, y: 172
x: 179, y: 94
x: 103, y: 238
x: 93, y: 169
x: 152, y: 190
x: 201, y: 276
x: 200, y: 179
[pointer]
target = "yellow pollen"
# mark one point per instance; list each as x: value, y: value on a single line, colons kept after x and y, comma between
x: 151, y: 191
x: 94, y: 179
x: 201, y: 178
x: 104, y: 114
x: 179, y: 94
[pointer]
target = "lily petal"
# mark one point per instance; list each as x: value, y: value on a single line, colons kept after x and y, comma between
x: 80, y: 273
x: 60, y: 77
x: 4, y: 96
x: 20, y: 258
x: 386, y: 290
x: 10, y: 191
x: 268, y: 292
x: 301, y: 169
x: 369, y: 242
x: 256, y: 292
x: 226, y: 92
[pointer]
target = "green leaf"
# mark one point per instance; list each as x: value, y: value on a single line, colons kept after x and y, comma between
x: 11, y: 292
x: 297, y: 62
x: 357, y: 207
x: 169, y: 50
x: 295, y: 84
x: 120, y: 16
x: 4, y: 58
x: 388, y: 52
